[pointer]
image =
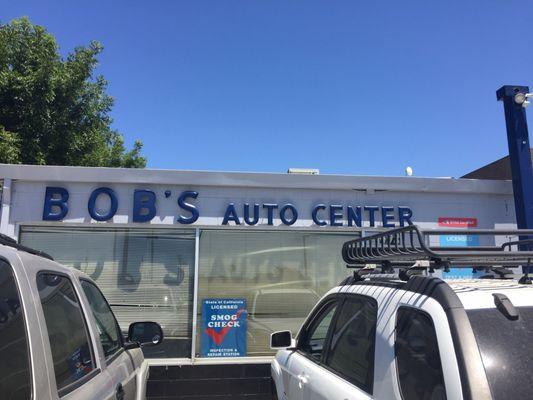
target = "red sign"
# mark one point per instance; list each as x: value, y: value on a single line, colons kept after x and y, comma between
x: 457, y: 222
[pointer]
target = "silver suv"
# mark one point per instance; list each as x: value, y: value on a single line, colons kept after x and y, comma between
x: 59, y: 337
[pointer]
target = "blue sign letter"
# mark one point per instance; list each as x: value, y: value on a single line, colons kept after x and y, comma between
x: 247, y: 214
x: 284, y: 210
x: 314, y: 214
x: 60, y: 203
x: 385, y: 217
x: 270, y: 212
x: 354, y: 216
x: 188, y: 207
x: 92, y: 204
x: 405, y: 214
x: 334, y: 215
x: 143, y: 200
x: 371, y: 214
x: 231, y: 215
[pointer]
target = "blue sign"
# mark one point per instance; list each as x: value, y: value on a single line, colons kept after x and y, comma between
x: 223, y: 328
x: 459, y: 241
x: 145, y: 205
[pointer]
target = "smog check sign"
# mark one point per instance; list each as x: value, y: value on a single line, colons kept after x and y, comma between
x: 223, y: 328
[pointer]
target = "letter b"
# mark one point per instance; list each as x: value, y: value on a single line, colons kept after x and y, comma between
x: 50, y: 201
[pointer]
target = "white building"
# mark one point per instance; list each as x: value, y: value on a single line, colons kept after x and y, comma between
x: 159, y: 242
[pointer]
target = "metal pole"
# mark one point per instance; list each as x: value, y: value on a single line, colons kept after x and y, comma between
x: 514, y: 99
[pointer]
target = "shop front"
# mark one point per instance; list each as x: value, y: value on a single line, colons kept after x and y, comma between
x: 221, y: 260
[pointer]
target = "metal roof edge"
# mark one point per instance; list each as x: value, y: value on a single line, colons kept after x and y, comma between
x: 38, y: 173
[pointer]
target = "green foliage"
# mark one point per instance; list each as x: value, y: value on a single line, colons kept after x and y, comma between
x: 54, y: 111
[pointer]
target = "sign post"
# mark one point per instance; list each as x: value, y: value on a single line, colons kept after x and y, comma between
x: 514, y: 101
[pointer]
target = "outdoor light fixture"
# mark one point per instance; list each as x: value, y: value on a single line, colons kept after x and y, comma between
x: 522, y: 99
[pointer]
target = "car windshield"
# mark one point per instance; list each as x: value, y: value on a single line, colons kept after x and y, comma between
x: 505, y: 347
x: 290, y: 304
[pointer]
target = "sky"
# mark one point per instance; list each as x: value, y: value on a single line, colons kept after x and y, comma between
x: 348, y: 87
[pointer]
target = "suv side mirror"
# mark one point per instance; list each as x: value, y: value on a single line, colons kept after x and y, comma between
x: 145, y: 334
x: 281, y: 340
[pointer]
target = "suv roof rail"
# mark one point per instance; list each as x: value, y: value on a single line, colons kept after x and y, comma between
x: 410, y: 244
x: 9, y: 241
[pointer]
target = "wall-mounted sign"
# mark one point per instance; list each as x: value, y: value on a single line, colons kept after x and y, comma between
x: 223, y: 328
x: 145, y: 203
x: 458, y: 241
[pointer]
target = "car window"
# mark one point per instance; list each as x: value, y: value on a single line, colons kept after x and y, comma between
x: 417, y: 356
x: 315, y: 336
x: 69, y: 340
x: 106, y: 323
x: 504, y: 344
x: 351, y: 351
x: 15, y: 380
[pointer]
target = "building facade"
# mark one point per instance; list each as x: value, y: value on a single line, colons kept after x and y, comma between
x: 220, y: 258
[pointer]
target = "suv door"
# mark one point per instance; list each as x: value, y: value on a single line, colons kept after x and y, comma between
x: 298, y: 366
x: 66, y: 338
x: 346, y: 369
x: 15, y: 370
x: 120, y: 364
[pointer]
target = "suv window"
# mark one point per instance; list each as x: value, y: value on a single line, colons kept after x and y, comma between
x: 352, y: 344
x: 107, y: 325
x: 505, y: 350
x: 417, y: 356
x: 315, y: 337
x: 67, y: 332
x: 15, y: 382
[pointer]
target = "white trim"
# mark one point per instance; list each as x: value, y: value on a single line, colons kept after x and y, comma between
x: 161, y: 362
x: 38, y: 173
x: 6, y: 207
x: 195, y: 293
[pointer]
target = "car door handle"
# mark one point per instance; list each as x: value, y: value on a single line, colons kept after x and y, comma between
x: 303, y: 379
x: 119, y: 393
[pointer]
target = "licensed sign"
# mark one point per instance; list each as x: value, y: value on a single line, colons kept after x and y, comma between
x: 223, y: 328
x: 458, y: 241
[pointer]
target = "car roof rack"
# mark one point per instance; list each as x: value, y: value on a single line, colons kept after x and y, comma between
x: 8, y: 241
x: 408, y: 245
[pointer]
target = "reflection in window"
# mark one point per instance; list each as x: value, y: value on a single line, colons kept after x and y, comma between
x: 417, y: 356
x: 15, y: 382
x: 145, y: 274
x: 353, y: 342
x: 281, y: 275
x: 106, y: 324
x: 67, y: 332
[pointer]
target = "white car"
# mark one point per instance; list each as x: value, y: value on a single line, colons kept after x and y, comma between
x: 59, y: 337
x: 374, y: 337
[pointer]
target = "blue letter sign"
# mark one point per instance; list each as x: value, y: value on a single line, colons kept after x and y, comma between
x: 223, y: 328
x: 52, y: 201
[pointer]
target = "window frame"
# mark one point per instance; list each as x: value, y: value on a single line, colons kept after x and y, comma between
x: 369, y: 390
x: 427, y: 314
x: 109, y: 359
x: 309, y: 323
x: 26, y: 327
x: 96, y: 371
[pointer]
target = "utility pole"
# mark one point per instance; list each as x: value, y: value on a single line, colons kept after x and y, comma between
x: 515, y: 100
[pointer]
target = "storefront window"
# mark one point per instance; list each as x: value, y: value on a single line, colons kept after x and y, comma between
x: 280, y: 274
x: 145, y: 274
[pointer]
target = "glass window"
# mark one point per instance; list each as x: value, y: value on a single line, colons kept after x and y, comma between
x: 281, y: 274
x: 505, y: 350
x: 106, y: 324
x: 15, y: 379
x: 67, y: 332
x: 315, y: 337
x: 417, y: 356
x: 145, y: 274
x: 352, y: 343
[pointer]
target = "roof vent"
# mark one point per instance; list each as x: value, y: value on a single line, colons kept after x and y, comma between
x: 303, y: 171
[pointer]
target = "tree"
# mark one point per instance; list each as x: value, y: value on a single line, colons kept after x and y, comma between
x: 52, y: 110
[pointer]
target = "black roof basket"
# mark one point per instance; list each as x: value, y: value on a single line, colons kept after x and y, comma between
x: 410, y: 244
x: 8, y: 241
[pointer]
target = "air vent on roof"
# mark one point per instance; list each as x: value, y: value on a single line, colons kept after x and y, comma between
x: 303, y: 171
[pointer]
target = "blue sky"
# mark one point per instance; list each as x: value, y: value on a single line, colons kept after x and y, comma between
x: 348, y: 87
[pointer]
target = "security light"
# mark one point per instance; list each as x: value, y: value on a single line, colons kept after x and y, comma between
x: 522, y: 98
